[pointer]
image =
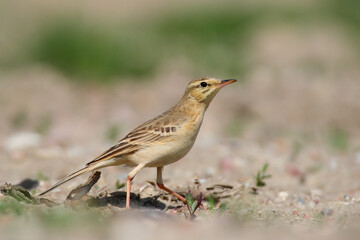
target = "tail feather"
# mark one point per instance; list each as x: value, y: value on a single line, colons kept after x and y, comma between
x: 71, y: 176
x: 92, y: 166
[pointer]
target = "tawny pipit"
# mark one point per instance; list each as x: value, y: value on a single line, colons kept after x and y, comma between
x: 162, y: 140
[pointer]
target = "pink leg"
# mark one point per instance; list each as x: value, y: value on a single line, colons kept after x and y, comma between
x: 130, y: 177
x: 128, y: 192
x: 160, y: 184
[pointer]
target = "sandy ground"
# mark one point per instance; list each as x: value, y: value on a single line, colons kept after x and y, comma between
x: 313, y: 191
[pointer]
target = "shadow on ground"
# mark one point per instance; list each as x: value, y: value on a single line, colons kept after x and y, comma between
x: 118, y: 199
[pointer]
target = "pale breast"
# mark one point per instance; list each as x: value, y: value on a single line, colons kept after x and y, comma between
x: 171, y: 150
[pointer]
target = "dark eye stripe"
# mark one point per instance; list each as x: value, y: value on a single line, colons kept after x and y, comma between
x: 206, y: 90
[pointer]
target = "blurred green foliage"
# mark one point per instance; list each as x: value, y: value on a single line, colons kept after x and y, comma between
x: 338, y: 139
x: 347, y: 11
x: 65, y: 218
x: 11, y: 206
x: 44, y: 124
x: 91, y: 52
x: 212, y: 39
x: 112, y: 132
x: 55, y: 217
x: 236, y: 127
x: 19, y: 119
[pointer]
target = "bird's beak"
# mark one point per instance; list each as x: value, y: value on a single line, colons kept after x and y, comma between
x: 225, y: 82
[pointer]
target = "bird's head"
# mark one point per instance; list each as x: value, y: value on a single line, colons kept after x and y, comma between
x: 204, y: 89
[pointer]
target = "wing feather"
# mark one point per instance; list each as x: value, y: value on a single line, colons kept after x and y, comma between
x: 161, y: 128
x: 134, y: 141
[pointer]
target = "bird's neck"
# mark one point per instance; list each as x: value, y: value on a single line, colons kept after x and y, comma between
x: 191, y: 107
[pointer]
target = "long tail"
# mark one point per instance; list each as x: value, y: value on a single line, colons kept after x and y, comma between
x: 86, y: 169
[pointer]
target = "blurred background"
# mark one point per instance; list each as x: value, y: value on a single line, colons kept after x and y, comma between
x: 77, y: 76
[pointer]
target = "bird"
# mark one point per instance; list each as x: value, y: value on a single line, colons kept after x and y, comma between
x: 160, y: 141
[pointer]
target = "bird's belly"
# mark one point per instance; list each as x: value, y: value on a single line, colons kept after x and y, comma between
x: 162, y: 154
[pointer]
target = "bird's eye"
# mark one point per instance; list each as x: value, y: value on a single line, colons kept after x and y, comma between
x: 203, y: 84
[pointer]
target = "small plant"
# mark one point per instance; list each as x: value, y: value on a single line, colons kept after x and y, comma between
x: 18, y: 193
x: 41, y: 177
x: 212, y: 205
x: 211, y: 202
x: 119, y: 185
x: 261, y: 176
x: 223, y: 206
x: 192, y: 204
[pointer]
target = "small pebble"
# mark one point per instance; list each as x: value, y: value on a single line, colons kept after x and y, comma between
x: 327, y: 212
x: 202, y: 180
x: 316, y: 193
x: 209, y: 172
x: 142, y: 187
x: 333, y: 164
x: 301, y: 200
x: 347, y: 198
x: 312, y: 204
x: 49, y: 152
x: 22, y: 140
x: 357, y: 157
x: 283, y: 195
x: 75, y: 151
x: 227, y: 164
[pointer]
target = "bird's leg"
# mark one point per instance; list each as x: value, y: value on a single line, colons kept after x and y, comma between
x: 160, y: 184
x: 130, y: 177
x: 128, y: 191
